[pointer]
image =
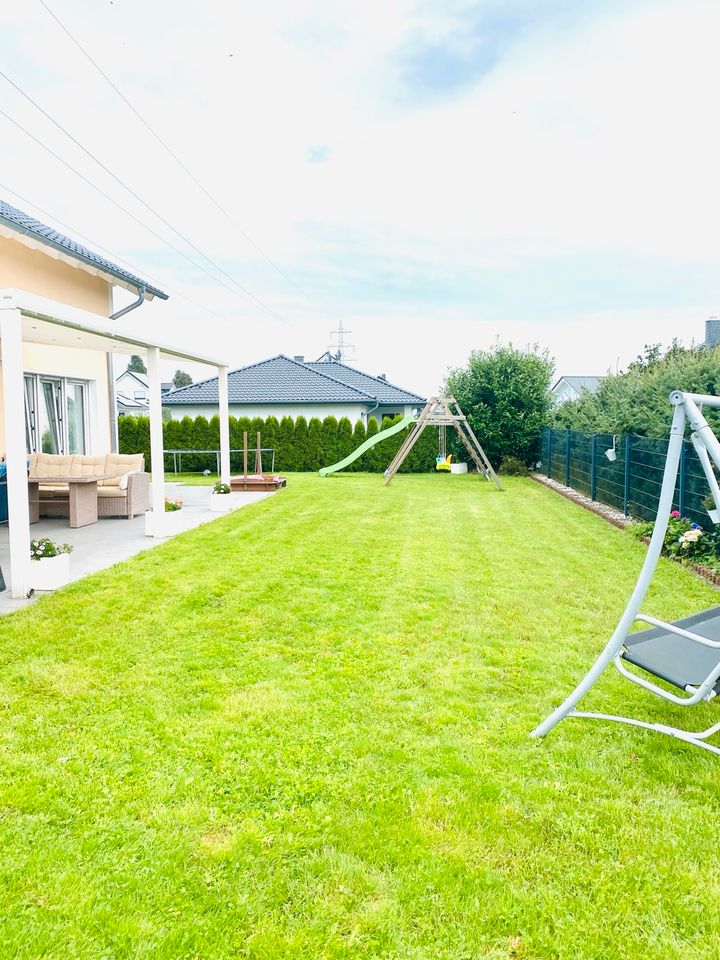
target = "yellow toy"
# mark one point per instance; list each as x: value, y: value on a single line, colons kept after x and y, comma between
x: 443, y: 463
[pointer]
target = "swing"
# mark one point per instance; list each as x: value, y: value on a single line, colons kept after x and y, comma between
x: 685, y: 653
x: 443, y: 459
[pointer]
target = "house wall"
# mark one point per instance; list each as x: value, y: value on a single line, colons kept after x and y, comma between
x: 353, y: 411
x: 37, y: 271
x: 41, y: 273
x: 564, y: 392
x: 90, y: 365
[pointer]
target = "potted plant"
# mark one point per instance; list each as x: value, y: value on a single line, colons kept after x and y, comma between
x: 50, y: 564
x: 221, y: 498
x: 165, y: 524
x: 712, y: 510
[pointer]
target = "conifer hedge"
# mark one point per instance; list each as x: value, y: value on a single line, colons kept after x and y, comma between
x: 299, y: 445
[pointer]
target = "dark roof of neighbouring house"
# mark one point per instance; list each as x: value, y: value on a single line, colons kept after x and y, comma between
x: 282, y: 380
x: 25, y: 224
x: 378, y: 387
x: 580, y: 383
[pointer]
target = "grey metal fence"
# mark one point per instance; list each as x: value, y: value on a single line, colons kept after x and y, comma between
x: 631, y: 482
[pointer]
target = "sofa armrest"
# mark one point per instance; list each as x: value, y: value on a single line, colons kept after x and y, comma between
x: 138, y: 492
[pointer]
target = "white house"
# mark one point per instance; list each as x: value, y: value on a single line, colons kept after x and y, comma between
x: 571, y: 388
x: 293, y: 387
x: 58, y: 329
x: 132, y: 392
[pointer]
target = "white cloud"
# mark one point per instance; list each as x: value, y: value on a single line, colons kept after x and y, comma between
x: 593, y: 140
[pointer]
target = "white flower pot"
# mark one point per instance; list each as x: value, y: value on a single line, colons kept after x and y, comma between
x: 165, y: 524
x: 50, y: 573
x: 458, y: 468
x: 714, y: 515
x: 224, y: 502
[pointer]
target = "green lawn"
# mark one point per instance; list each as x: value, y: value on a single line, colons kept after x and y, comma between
x: 302, y: 732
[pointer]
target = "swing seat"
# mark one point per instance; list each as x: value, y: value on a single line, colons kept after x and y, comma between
x: 674, y: 658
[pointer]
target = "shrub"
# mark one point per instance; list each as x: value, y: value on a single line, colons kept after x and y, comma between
x: 505, y: 395
x: 685, y: 540
x: 512, y: 467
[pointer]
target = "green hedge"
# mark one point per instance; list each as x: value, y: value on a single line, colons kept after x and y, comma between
x: 299, y: 445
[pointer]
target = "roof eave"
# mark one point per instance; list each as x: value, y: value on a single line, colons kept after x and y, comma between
x: 149, y: 291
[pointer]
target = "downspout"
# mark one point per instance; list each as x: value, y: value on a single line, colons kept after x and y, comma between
x: 368, y: 412
x: 131, y: 306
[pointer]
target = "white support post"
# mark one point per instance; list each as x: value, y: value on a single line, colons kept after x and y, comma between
x: 156, y: 441
x: 15, y: 453
x: 224, y: 414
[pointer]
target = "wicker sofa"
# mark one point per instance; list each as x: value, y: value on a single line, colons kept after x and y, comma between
x: 125, y: 494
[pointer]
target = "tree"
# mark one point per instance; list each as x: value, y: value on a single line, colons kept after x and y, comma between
x: 181, y: 379
x: 636, y: 401
x: 136, y: 364
x: 505, y: 395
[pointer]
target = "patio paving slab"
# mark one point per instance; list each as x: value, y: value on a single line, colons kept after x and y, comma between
x: 111, y: 540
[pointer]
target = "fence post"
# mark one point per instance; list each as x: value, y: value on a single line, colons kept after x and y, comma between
x: 593, y: 467
x: 567, y: 459
x: 682, y: 479
x: 626, y: 489
x: 549, y: 458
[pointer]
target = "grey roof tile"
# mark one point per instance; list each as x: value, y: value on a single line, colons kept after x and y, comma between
x: 379, y: 389
x: 277, y: 380
x: 24, y: 223
x: 581, y: 383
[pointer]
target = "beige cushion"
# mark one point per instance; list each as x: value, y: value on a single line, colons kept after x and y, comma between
x: 110, y: 490
x: 49, y: 465
x: 120, y: 464
x: 87, y: 466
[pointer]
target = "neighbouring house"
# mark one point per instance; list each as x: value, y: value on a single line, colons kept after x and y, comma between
x: 58, y: 331
x: 131, y: 391
x: 571, y: 388
x: 294, y: 387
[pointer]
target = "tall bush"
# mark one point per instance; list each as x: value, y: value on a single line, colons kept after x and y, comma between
x: 505, y: 395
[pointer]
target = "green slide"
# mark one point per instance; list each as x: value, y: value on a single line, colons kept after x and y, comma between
x: 370, y: 442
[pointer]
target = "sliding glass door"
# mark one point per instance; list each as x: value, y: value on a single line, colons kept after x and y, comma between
x: 55, y: 415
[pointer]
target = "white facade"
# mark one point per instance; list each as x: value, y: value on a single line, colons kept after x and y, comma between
x: 353, y: 411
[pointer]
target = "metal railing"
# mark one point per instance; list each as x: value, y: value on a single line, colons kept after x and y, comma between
x: 178, y: 454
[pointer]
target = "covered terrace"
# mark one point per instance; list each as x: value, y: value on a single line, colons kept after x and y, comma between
x: 26, y: 318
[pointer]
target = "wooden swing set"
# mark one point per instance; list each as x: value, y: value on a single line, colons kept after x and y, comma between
x: 444, y: 412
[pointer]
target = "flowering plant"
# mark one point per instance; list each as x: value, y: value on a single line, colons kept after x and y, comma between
x: 172, y: 505
x: 220, y: 487
x: 39, y: 549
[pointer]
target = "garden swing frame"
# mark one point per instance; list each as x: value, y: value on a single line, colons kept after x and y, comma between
x: 444, y: 412
x: 690, y: 644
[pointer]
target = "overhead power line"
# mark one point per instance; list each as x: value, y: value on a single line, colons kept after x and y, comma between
x: 140, y: 200
x: 170, y: 151
x: 122, y: 260
x: 129, y: 213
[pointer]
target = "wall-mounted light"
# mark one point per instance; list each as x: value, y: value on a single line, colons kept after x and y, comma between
x: 611, y: 452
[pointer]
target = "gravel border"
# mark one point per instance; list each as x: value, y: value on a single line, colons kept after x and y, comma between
x: 617, y: 519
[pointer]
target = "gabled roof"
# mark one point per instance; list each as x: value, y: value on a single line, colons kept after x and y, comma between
x: 142, y: 378
x: 277, y: 380
x: 580, y: 383
x: 28, y: 226
x: 377, y: 387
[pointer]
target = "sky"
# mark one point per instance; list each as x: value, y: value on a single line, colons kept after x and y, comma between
x: 437, y: 176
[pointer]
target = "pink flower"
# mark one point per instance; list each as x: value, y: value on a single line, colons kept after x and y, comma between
x: 675, y: 513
